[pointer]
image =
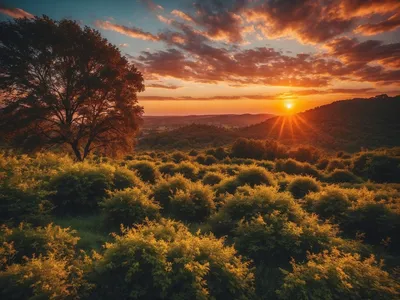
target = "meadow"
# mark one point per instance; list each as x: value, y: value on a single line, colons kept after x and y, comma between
x: 252, y: 220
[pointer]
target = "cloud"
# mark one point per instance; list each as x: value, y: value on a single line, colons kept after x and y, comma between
x: 123, y: 45
x: 317, y: 21
x: 353, y: 51
x: 182, y: 15
x: 15, y: 12
x: 152, y: 6
x: 211, y: 98
x: 388, y: 25
x: 163, y: 86
x: 129, y: 31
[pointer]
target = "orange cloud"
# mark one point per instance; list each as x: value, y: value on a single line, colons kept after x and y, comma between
x: 388, y: 25
x: 182, y: 15
x: 15, y: 12
x: 129, y: 31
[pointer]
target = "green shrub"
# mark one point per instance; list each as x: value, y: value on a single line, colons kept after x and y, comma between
x: 193, y: 152
x: 129, y: 206
x: 221, y: 153
x: 291, y: 166
x: 178, y: 157
x: 212, y: 178
x: 24, y: 204
x: 194, y: 204
x: 227, y: 185
x: 166, y: 188
x: 201, y: 159
x: 245, y: 148
x: 167, y: 169
x: 300, y: 186
x: 305, y: 154
x: 254, y: 175
x: 377, y: 167
x: 124, y: 178
x: 43, y: 278
x: 248, y: 203
x: 80, y: 187
x: 187, y: 169
x: 331, y: 202
x: 210, y: 160
x: 337, y: 275
x: 28, y: 241
x: 146, y: 170
x: 165, y: 261
x: 322, y: 164
x: 343, y: 176
x: 335, y: 164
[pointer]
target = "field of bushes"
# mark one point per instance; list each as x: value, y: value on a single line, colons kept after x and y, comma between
x: 255, y: 220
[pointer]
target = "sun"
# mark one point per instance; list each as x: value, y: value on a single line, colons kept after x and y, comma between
x: 289, y: 105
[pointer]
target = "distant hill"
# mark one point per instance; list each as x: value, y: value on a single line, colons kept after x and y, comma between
x: 229, y: 120
x: 187, y: 137
x: 345, y: 125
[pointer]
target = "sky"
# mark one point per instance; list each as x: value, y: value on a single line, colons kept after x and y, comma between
x: 243, y: 56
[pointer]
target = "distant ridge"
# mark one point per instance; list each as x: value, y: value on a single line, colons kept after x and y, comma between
x: 346, y: 125
x: 342, y: 125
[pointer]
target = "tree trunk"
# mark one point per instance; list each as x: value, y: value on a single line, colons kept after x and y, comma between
x: 77, y: 153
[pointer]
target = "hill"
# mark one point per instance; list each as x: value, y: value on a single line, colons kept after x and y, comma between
x: 345, y: 125
x: 228, y: 120
x: 187, y: 137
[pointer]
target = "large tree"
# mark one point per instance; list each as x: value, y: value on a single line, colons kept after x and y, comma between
x: 61, y: 84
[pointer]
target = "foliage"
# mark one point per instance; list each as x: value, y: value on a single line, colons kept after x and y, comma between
x: 194, y: 204
x: 342, y: 176
x: 187, y: 169
x: 212, y: 178
x: 43, y: 278
x: 80, y: 188
x: 129, y: 206
x: 124, y: 178
x: 146, y: 170
x: 166, y: 188
x: 336, y: 275
x: 165, y: 261
x: 85, y: 98
x: 300, y: 186
x: 254, y: 175
x: 291, y: 166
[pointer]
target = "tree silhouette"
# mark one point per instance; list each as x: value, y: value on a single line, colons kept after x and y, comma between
x: 66, y: 85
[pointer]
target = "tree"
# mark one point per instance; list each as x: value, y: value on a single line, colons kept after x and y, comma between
x: 64, y: 84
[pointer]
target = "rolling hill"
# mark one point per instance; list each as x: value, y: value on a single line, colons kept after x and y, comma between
x: 343, y: 125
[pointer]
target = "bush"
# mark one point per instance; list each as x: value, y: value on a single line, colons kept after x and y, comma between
x: 293, y: 167
x: 248, y: 203
x: 167, y: 169
x: 194, y: 204
x: 254, y: 175
x: 343, y: 176
x: 124, y: 178
x: 28, y: 241
x: 166, y: 188
x: 193, y: 152
x: 201, y: 159
x: 178, y: 157
x: 302, y: 185
x: 227, y: 185
x: 24, y: 204
x: 129, y: 206
x: 245, y: 148
x: 146, y: 170
x: 187, y: 169
x: 377, y: 167
x: 43, y: 278
x: 337, y: 275
x: 305, y: 154
x: 331, y: 202
x: 221, y: 153
x: 210, y: 160
x: 165, y: 261
x: 335, y: 164
x: 212, y: 178
x: 80, y: 188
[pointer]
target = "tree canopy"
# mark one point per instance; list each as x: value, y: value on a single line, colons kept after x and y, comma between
x: 62, y: 84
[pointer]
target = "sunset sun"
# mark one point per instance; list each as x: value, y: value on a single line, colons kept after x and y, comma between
x: 289, y: 105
